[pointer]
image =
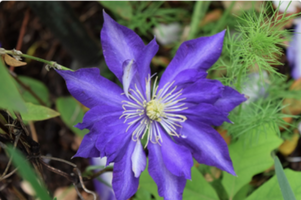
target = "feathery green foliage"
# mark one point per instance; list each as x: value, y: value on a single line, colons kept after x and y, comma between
x: 256, y: 45
x: 144, y: 15
x: 256, y: 117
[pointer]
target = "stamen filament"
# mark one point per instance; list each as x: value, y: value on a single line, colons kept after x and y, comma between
x: 156, y: 108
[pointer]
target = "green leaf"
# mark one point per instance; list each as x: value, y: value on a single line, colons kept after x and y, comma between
x: 72, y: 113
x: 271, y: 189
x: 250, y: 159
x: 142, y: 194
x: 285, y: 187
x: 121, y: 8
x: 146, y: 183
x: 38, y: 113
x: 37, y: 87
x: 219, y: 189
x: 26, y: 172
x: 198, y: 188
x: 243, y: 192
x: 10, y: 96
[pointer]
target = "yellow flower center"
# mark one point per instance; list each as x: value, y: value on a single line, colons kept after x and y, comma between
x: 155, y: 110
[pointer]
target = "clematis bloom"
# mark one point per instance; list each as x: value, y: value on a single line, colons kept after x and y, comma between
x: 175, y: 116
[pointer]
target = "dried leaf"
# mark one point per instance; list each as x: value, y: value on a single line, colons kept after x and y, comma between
x: 12, y: 61
x: 288, y: 146
x: 211, y: 17
x: 66, y: 193
x: 160, y: 61
x: 27, y: 188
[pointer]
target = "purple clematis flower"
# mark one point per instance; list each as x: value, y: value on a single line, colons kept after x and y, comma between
x: 175, y: 116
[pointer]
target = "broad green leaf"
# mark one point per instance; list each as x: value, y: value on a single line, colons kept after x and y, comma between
x: 10, y: 96
x: 26, y: 172
x: 243, y: 192
x: 38, y: 113
x: 286, y: 190
x: 72, y: 113
x: 146, y: 183
x: 37, y: 87
x: 198, y: 188
x: 250, y: 159
x: 271, y: 189
x: 143, y: 194
x: 219, y: 189
x: 121, y: 8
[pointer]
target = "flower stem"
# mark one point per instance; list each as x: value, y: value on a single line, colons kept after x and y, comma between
x: 199, y: 12
x: 50, y: 63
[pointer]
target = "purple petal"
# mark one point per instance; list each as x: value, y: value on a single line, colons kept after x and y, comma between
x: 116, y: 147
x: 144, y: 60
x: 119, y: 44
x: 138, y: 159
x: 169, y: 185
x: 191, y: 76
x: 199, y: 54
x: 97, y: 113
x: 87, y: 147
x: 177, y: 158
x: 109, y: 128
x: 206, y: 145
x: 91, y: 89
x: 129, y: 71
x: 206, y: 113
x: 125, y: 184
x: 229, y: 100
x: 203, y: 91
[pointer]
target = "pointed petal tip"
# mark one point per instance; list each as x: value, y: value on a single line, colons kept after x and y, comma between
x: 75, y: 156
x: 223, y: 32
x: 230, y: 170
x: 233, y: 173
x: 105, y: 15
x: 79, y: 126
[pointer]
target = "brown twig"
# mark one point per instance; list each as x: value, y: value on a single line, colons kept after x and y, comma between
x: 21, y: 123
x: 78, y: 192
x: 108, y: 169
x: 18, y: 193
x: 60, y: 160
x: 3, y: 127
x: 11, y: 157
x: 9, y: 174
x: 33, y: 131
x: 22, y: 33
x: 82, y: 184
x: 57, y: 171
x: 69, y: 177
